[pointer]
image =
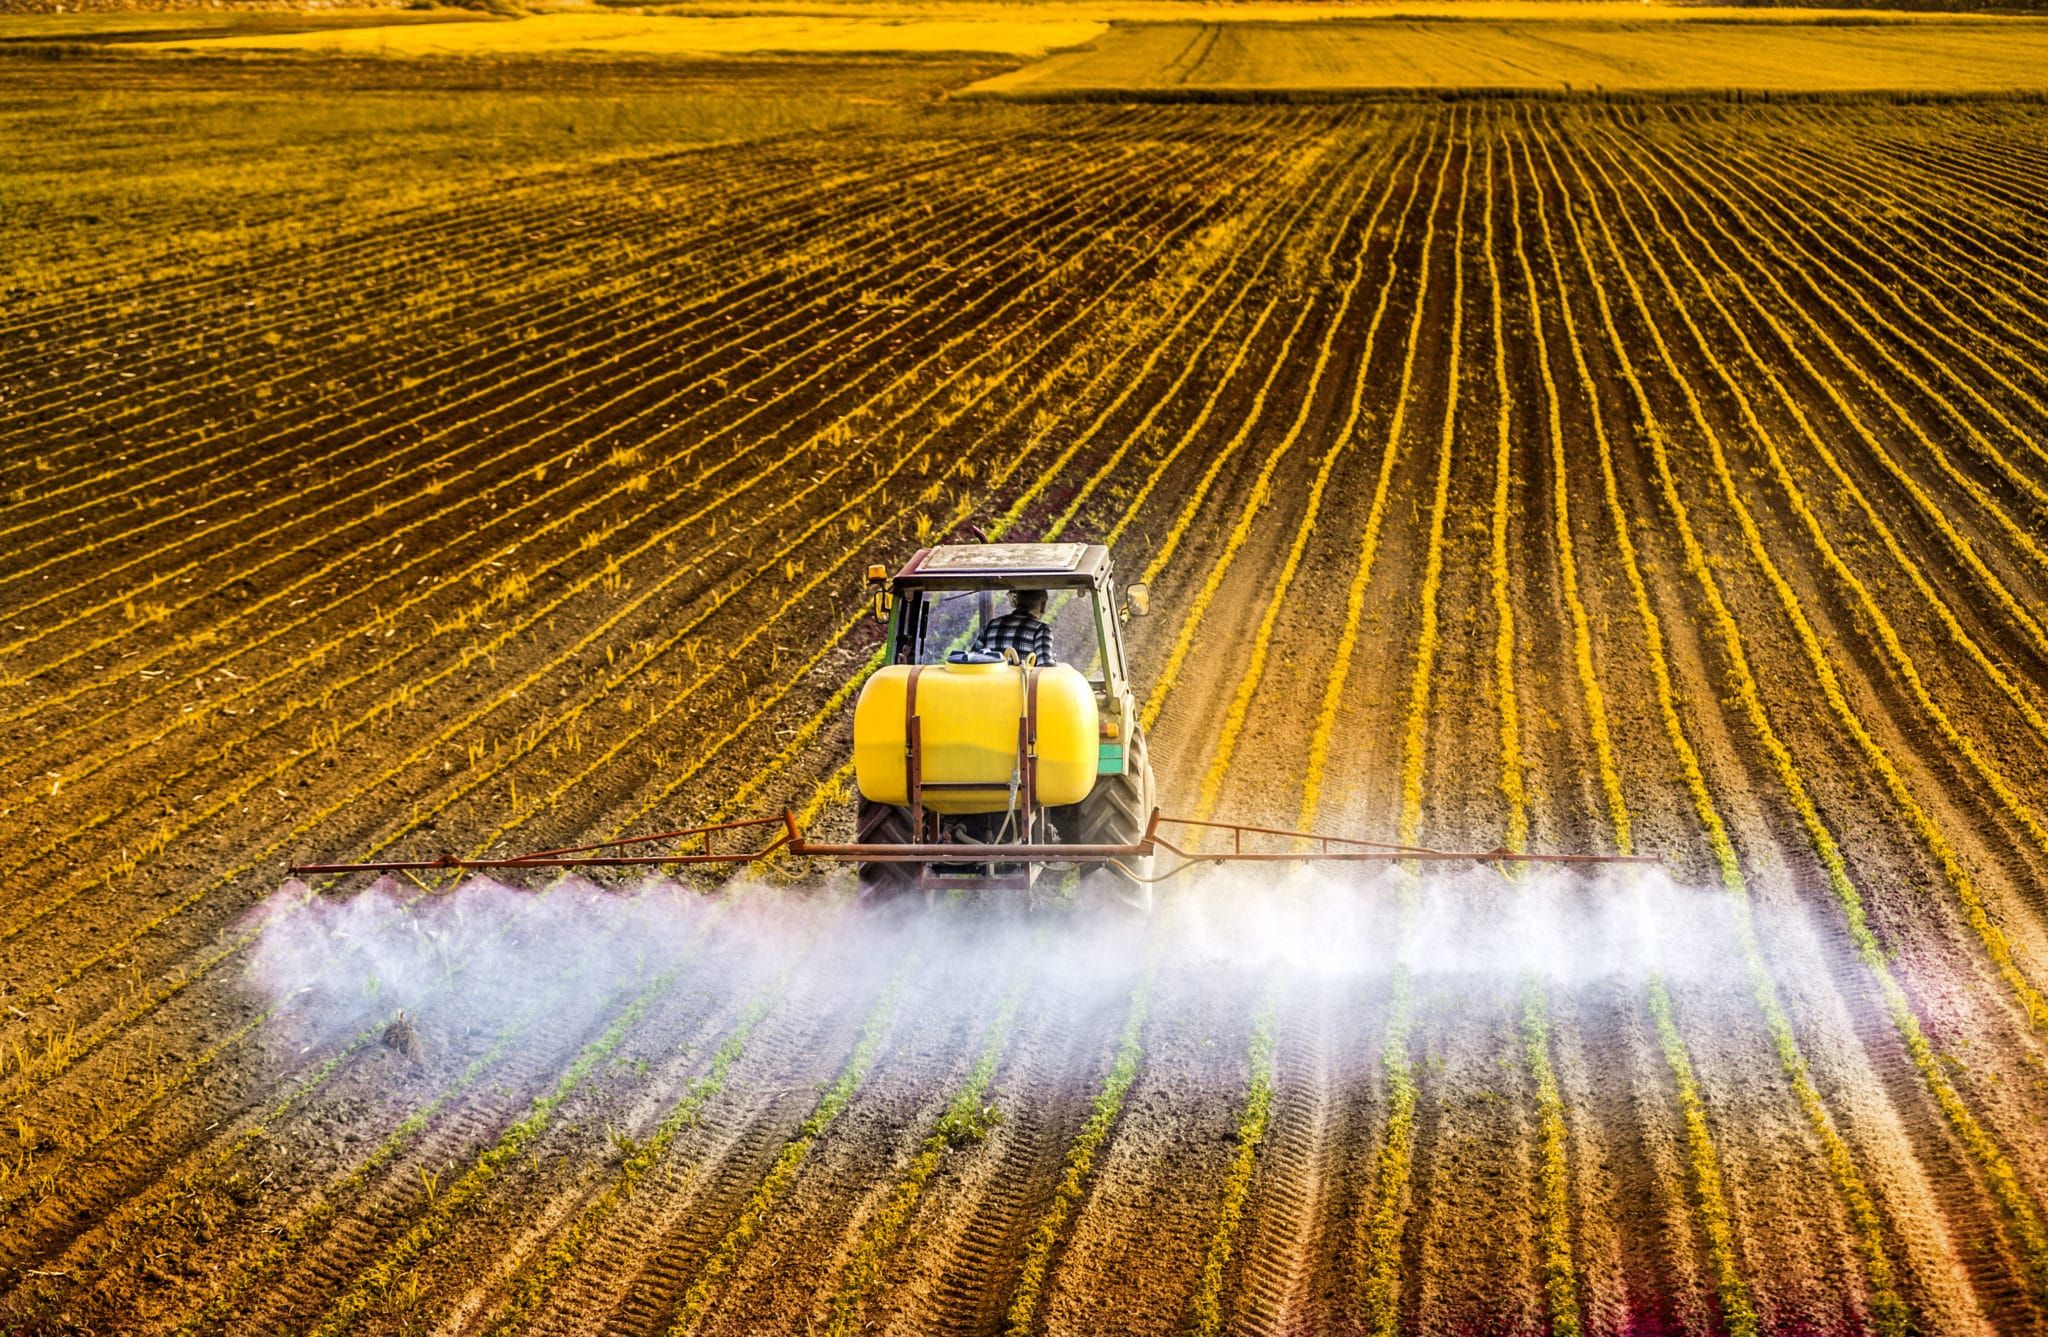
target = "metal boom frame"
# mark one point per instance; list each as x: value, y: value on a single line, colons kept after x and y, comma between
x: 789, y: 838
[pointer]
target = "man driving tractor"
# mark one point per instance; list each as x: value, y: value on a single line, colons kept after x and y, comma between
x: 1022, y: 629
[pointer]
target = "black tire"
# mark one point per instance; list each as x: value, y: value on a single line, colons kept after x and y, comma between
x: 883, y: 824
x: 1116, y: 813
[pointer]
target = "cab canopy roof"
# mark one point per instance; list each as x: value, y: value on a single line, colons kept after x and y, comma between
x: 961, y: 564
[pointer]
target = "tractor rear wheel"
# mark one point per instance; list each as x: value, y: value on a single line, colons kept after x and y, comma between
x: 883, y: 824
x: 1117, y: 813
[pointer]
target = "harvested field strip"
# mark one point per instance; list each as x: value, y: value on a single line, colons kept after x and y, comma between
x: 1996, y: 946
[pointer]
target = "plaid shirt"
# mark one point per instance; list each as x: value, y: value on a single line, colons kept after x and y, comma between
x: 1017, y: 631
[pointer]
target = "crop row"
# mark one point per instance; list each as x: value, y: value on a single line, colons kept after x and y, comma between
x: 1995, y: 944
x: 891, y: 1222
x: 1848, y: 1179
x: 1936, y: 602
x: 179, y: 985
x: 405, y: 277
x: 794, y: 455
x: 596, y: 398
x: 722, y: 262
x: 1262, y: 492
x: 1841, y: 1160
x: 479, y: 568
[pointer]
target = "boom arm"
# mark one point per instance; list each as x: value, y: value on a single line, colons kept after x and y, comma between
x: 779, y: 835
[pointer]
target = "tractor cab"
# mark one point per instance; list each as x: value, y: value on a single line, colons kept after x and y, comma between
x: 938, y: 604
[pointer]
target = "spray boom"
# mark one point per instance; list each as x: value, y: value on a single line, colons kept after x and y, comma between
x: 783, y: 835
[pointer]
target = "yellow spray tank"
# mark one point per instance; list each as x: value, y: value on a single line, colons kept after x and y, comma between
x: 967, y: 724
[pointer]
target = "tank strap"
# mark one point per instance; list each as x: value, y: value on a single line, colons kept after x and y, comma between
x: 913, y: 763
x: 910, y: 708
x: 1027, y: 762
x: 1031, y: 712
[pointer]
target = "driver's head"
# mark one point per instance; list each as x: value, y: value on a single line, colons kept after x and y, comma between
x: 1029, y: 601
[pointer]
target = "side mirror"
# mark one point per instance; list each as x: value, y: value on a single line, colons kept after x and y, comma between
x: 878, y: 586
x: 1138, y: 599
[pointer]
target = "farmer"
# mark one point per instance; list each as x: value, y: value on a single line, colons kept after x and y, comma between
x: 1022, y: 629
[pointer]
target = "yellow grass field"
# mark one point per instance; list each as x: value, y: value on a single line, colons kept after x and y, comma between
x: 1601, y: 56
x: 1373, y: 44
x: 660, y: 35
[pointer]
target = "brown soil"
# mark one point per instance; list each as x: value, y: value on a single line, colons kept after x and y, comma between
x: 533, y: 507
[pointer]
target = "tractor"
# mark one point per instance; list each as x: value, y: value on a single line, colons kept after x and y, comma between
x: 960, y: 745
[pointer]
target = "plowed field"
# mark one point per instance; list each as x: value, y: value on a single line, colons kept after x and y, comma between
x: 1662, y: 479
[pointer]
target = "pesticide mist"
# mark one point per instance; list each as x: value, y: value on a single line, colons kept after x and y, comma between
x: 486, y: 957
